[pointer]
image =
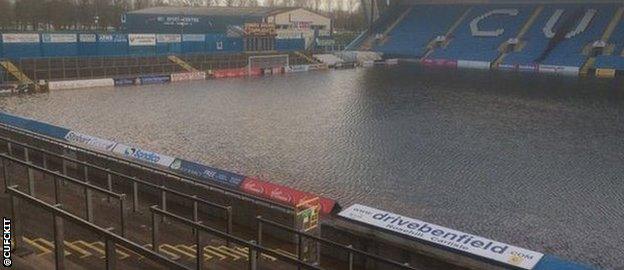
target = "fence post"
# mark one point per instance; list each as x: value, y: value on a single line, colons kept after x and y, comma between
x: 350, y: 257
x: 31, y: 173
x: 45, y: 160
x: 88, y: 203
x: 16, y: 215
x: 163, y: 201
x: 10, y: 148
x: 259, y: 237
x: 299, y: 248
x: 57, y: 190
x: 109, y: 183
x: 200, y: 250
x: 111, y: 255
x: 195, y: 212
x: 5, y: 175
x: 122, y: 214
x: 59, y: 242
x: 228, y: 212
x: 135, y: 195
x: 155, y: 232
x: 253, y: 256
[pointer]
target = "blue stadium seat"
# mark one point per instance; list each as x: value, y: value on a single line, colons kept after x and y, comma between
x: 614, y: 61
x: 465, y: 46
x: 570, y: 51
x: 411, y: 36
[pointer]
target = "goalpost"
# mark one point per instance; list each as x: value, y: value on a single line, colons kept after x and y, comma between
x: 267, y: 61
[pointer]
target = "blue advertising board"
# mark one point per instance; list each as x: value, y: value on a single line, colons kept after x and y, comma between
x: 155, y: 79
x: 34, y: 126
x: 126, y: 81
x: 207, y: 173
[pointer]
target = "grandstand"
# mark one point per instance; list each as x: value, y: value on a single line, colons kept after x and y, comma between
x: 551, y: 37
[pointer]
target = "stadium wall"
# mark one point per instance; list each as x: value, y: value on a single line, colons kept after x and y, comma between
x: 45, y: 45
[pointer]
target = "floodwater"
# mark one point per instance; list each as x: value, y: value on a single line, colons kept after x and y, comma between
x: 534, y: 161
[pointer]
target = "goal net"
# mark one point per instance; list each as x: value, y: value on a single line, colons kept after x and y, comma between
x: 257, y: 62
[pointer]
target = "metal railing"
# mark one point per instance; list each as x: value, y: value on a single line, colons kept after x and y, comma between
x: 58, y: 177
x: 299, y: 236
x: 255, y: 249
x: 227, y: 210
x: 59, y: 217
x: 211, y: 186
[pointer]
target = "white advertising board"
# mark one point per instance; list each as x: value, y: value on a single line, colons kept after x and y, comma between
x: 87, y: 38
x: 188, y: 76
x: 297, y: 68
x: 142, y: 39
x: 473, y: 64
x: 563, y: 70
x: 90, y: 141
x: 193, y: 37
x: 59, y: 38
x: 143, y: 155
x: 60, y: 85
x: 20, y: 38
x: 448, y: 238
x: 168, y: 38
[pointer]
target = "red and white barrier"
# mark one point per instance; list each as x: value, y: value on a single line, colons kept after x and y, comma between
x: 447, y: 63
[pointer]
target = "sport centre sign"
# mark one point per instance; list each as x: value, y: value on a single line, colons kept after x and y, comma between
x: 448, y: 238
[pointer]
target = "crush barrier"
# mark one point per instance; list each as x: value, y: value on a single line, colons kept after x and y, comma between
x: 271, y: 191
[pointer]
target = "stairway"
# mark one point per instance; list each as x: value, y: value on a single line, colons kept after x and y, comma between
x: 182, y: 63
x: 16, y: 72
x: 606, y: 35
x: 451, y: 30
x: 520, y: 35
x: 394, y: 24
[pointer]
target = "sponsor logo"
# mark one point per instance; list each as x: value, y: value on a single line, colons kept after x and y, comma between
x: 176, y: 164
x: 91, y: 141
x: 6, y: 242
x: 280, y: 195
x: 143, y: 155
x: 446, y: 237
x: 254, y: 187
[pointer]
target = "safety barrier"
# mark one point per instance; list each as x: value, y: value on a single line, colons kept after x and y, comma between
x: 301, y: 236
x: 59, y: 217
x: 188, y: 76
x: 63, y: 85
x: 255, y: 250
x: 447, y: 63
x: 149, y: 157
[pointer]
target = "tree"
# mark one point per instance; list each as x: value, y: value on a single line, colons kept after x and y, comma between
x: 7, y: 19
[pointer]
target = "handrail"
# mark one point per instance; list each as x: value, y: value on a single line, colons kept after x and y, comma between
x: 163, y: 189
x: 228, y: 237
x: 283, y: 207
x: 62, y: 176
x: 57, y: 212
x: 88, y: 187
x: 349, y: 248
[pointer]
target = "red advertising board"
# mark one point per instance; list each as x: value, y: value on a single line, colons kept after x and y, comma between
x: 428, y: 62
x: 236, y: 72
x: 284, y: 194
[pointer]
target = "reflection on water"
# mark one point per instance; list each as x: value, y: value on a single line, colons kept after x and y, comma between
x: 533, y: 161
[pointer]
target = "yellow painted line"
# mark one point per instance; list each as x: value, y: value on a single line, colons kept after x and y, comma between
x: 208, y: 250
x: 101, y: 245
x: 89, y: 246
x: 245, y: 250
x: 234, y: 251
x: 84, y: 253
x: 193, y: 250
x: 226, y: 252
x: 173, y: 249
x: 44, y: 250
x: 124, y: 249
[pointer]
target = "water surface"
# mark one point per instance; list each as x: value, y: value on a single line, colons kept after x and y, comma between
x: 534, y: 161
